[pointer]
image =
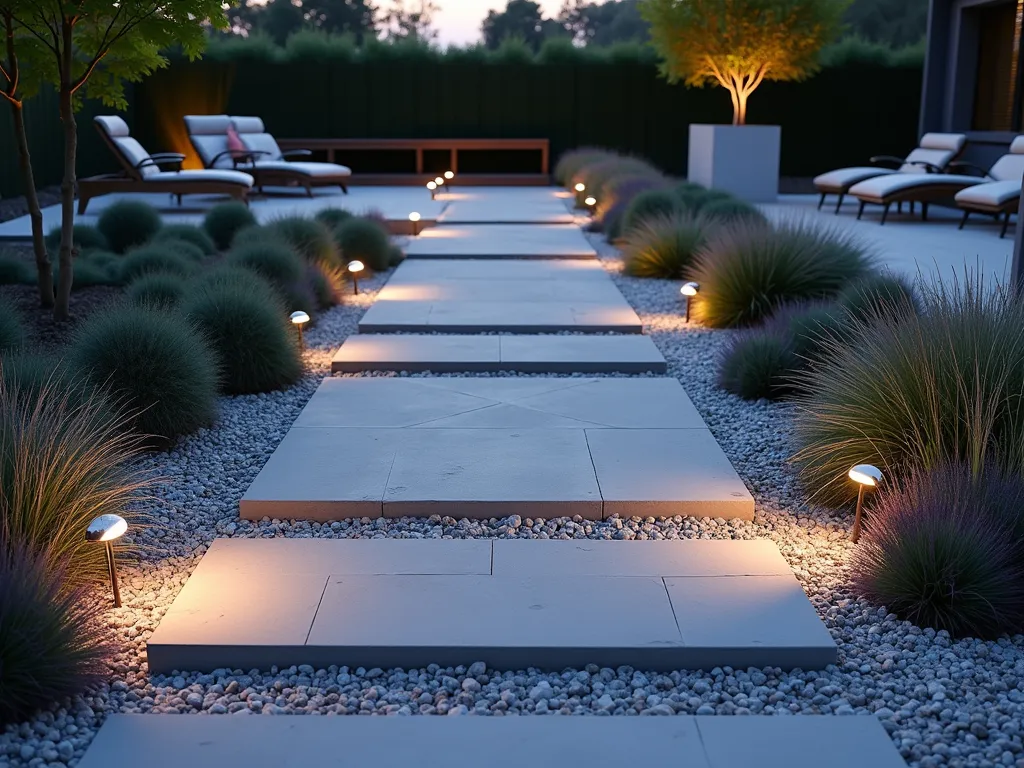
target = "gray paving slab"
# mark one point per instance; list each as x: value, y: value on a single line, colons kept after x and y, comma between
x: 500, y: 241
x: 581, y: 354
x: 749, y: 619
x: 667, y: 472
x: 413, y: 271
x: 683, y: 741
x: 503, y: 205
x: 418, y: 353
x: 682, y: 558
x: 486, y: 289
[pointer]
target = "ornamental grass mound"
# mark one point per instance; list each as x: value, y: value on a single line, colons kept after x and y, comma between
x: 757, y: 364
x: 127, y: 224
x: 156, y: 363
x: 873, y: 295
x: 90, y: 270
x: 251, y: 336
x: 311, y: 239
x: 64, y: 460
x: 664, y: 245
x: 748, y: 269
x: 915, y: 390
x: 333, y: 217
x: 278, y: 264
x: 942, y: 548
x: 648, y: 205
x: 729, y: 209
x: 53, y: 644
x: 159, y: 290
x: 327, y: 284
x: 367, y: 241
x: 224, y: 220
x: 608, y: 216
x: 16, y: 271
x: 83, y: 238
x: 12, y: 328
x: 198, y: 237
x: 155, y: 258
x: 571, y: 163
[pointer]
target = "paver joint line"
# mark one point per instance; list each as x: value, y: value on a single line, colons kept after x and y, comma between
x: 319, y: 603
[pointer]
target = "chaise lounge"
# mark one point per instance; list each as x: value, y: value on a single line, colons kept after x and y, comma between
x: 143, y: 172
x: 933, y: 154
x: 243, y: 143
x: 995, y: 198
x: 927, y: 188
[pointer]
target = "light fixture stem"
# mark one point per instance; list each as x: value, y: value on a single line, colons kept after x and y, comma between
x: 855, y: 536
x: 302, y: 344
x: 355, y: 285
x: 687, y: 309
x: 112, y: 568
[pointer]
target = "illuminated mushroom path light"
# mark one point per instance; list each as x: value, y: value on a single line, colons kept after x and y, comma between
x: 689, y: 290
x: 414, y: 217
x: 448, y: 176
x: 866, y: 476
x: 590, y: 202
x: 354, y: 268
x: 108, y: 528
x: 432, y: 186
x: 299, y: 319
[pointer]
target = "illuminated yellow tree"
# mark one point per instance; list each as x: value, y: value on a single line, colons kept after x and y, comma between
x: 741, y: 43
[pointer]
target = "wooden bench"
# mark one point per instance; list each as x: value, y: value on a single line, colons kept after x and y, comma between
x: 419, y: 146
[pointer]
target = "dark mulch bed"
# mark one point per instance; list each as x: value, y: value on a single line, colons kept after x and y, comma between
x: 45, y: 334
x: 13, y: 207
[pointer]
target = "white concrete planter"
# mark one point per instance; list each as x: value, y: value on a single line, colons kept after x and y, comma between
x: 741, y: 159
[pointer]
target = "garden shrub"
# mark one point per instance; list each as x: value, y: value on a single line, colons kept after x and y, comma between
x: 694, y: 197
x: 647, y: 205
x: 664, y: 245
x: 16, y: 271
x: 312, y: 239
x: 83, y: 238
x: 189, y: 234
x: 513, y: 49
x: 12, y: 328
x: 33, y: 373
x: 915, y: 390
x: 65, y: 458
x: 158, y: 364
x: 327, y: 284
x: 128, y: 223
x: 747, y: 269
x: 333, y: 217
x: 159, y: 290
x: 89, y: 273
x: 942, y: 548
x: 251, y: 336
x: 600, y: 175
x: 230, y: 275
x: 571, y: 163
x: 811, y: 329
x: 190, y: 251
x: 757, y: 364
x: 223, y: 221
x: 877, y: 294
x: 610, y: 211
x: 728, y: 209
x: 367, y: 241
x: 52, y: 640
x: 155, y: 258
x: 275, y: 261
x: 395, y: 255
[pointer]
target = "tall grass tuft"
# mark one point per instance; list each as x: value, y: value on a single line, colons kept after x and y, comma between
x: 189, y: 234
x: 877, y: 294
x: 83, y: 238
x: 757, y: 364
x: 224, y: 220
x: 570, y: 163
x: 748, y: 269
x: 12, y: 328
x: 664, y: 245
x: 942, y: 549
x: 366, y: 240
x: 64, y: 459
x: 648, y: 205
x: 128, y: 223
x: 160, y: 290
x: 15, y: 270
x: 917, y: 390
x: 153, y: 259
x: 53, y: 644
x: 312, y: 239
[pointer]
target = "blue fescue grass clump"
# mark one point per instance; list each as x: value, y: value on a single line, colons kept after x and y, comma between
x: 224, y: 220
x: 156, y: 363
x: 159, y: 290
x: 664, y: 245
x: 15, y: 270
x: 648, y: 205
x: 311, y: 239
x: 333, y: 217
x: 128, y: 223
x: 198, y: 237
x: 12, y: 328
x: 365, y: 240
x: 757, y: 364
x: 942, y: 548
x: 83, y: 238
x: 877, y: 294
x: 156, y: 258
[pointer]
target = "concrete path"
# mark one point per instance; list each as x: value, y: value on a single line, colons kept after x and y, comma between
x: 493, y: 447
x: 500, y: 297
x: 500, y: 241
x: 507, y: 205
x: 254, y: 603
x: 163, y: 741
x: 630, y: 353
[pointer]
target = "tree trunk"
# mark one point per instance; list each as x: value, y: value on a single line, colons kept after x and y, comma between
x: 737, y: 115
x: 43, y: 266
x: 62, y: 307
x: 740, y: 118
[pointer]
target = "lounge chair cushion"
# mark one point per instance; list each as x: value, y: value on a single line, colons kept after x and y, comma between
x: 231, y: 177
x: 313, y: 170
x: 132, y: 152
x: 1010, y: 167
x: 936, y: 149
x: 994, y: 194
x: 842, y: 179
x: 877, y: 189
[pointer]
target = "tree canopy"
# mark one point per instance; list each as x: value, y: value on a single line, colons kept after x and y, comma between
x: 741, y: 43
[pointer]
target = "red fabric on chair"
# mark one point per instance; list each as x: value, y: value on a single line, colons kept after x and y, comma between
x: 235, y: 144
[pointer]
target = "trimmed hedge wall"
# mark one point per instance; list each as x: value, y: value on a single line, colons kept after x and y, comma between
x: 839, y: 117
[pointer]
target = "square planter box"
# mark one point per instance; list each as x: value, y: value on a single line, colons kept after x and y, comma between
x: 741, y: 159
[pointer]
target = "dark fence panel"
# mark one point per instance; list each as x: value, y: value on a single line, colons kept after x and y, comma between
x: 840, y: 117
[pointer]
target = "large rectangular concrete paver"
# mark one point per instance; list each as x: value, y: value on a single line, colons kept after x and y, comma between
x: 505, y: 205
x: 438, y: 353
x: 500, y: 241
x: 512, y: 604
x: 492, y: 447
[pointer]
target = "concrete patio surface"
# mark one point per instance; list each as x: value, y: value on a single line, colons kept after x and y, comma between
x: 628, y: 353
x: 500, y: 241
x: 684, y: 741
x: 476, y: 296
x: 681, y: 604
x: 492, y: 447
x: 507, y: 205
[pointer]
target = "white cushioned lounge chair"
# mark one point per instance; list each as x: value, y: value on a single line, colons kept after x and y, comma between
x: 262, y: 157
x: 995, y: 198
x: 933, y: 154
x: 931, y: 187
x: 143, y: 172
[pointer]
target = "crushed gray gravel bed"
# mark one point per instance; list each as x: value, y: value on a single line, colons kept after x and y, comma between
x: 944, y: 702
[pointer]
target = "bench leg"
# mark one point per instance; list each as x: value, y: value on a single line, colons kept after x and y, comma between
x: 1006, y: 225
x: 839, y: 202
x: 821, y: 201
x: 963, y: 219
x: 924, y: 211
x: 344, y: 189
x: 860, y: 210
x: 899, y: 207
x: 885, y: 212
x: 83, y: 201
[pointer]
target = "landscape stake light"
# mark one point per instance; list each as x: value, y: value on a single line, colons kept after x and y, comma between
x: 432, y: 186
x: 354, y: 268
x: 580, y: 186
x: 590, y: 202
x: 867, y: 476
x: 108, y: 528
x: 448, y: 176
x: 689, y: 290
x: 414, y: 217
x: 299, y: 319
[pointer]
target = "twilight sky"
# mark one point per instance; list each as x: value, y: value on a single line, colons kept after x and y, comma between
x: 458, y: 21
